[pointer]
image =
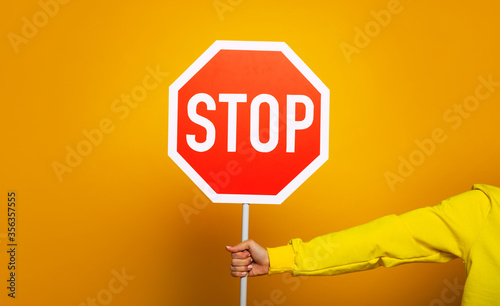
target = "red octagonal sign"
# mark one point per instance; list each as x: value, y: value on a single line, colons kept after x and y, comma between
x: 248, y: 122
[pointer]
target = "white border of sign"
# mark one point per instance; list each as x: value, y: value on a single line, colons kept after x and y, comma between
x: 253, y: 46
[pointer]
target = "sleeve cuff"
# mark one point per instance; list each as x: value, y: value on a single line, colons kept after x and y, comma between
x: 281, y: 259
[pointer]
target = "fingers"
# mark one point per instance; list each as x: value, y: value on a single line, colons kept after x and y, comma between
x: 244, y: 256
x: 239, y: 274
x: 240, y: 255
x: 244, y: 245
x: 240, y: 271
x: 241, y: 262
x: 241, y: 268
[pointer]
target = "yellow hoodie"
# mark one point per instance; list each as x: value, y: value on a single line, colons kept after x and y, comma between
x: 465, y: 226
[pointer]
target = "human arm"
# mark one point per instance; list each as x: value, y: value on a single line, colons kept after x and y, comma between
x: 431, y: 234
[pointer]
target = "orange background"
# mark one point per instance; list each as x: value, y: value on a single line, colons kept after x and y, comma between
x: 119, y: 209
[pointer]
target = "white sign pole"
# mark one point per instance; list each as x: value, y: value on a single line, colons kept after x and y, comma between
x: 244, y: 236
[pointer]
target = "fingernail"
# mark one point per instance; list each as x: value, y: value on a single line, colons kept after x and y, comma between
x: 244, y: 273
x: 249, y: 267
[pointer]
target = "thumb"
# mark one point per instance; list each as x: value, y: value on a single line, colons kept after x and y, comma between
x: 244, y: 245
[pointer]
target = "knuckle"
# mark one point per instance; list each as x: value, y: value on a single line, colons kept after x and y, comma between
x: 237, y: 255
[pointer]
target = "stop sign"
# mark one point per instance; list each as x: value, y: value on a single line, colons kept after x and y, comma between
x: 248, y: 122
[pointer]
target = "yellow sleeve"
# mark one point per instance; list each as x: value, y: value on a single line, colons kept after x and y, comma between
x: 431, y: 234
